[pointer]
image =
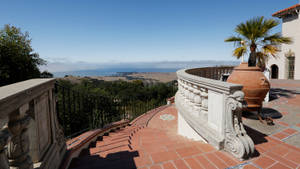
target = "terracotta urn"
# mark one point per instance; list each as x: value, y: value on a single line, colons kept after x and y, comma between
x: 255, y: 84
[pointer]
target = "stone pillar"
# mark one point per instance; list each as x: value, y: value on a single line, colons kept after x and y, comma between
x: 4, y: 137
x: 18, y: 147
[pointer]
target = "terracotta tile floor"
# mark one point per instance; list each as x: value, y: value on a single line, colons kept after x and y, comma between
x: 153, y: 143
x: 157, y: 145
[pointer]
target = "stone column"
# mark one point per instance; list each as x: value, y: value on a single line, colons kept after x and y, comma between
x: 18, y: 147
x: 4, y: 137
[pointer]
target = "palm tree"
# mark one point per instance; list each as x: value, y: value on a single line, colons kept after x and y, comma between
x: 255, y: 35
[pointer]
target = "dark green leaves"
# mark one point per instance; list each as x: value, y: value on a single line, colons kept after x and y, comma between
x: 18, y: 62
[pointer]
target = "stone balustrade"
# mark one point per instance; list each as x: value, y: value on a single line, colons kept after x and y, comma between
x: 30, y: 136
x: 217, y: 73
x: 210, y: 110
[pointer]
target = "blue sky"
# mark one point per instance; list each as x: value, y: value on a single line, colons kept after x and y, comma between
x: 101, y: 31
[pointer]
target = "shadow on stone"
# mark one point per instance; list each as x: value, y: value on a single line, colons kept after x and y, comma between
x: 257, y: 137
x: 276, y: 93
x: 266, y: 112
x: 123, y: 159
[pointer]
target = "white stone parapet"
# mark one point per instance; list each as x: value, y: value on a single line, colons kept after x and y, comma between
x: 210, y: 110
x: 30, y: 136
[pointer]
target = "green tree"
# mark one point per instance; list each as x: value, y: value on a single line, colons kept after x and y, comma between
x: 18, y: 62
x: 46, y: 74
x: 255, y: 35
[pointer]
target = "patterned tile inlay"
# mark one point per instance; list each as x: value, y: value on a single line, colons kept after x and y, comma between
x: 168, y: 117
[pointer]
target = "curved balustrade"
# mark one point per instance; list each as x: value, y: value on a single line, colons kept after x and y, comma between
x: 210, y: 110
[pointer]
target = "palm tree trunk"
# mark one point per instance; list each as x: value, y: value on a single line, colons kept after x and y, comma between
x: 252, y: 57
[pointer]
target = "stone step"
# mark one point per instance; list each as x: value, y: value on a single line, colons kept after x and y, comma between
x: 107, y: 143
x: 110, y: 147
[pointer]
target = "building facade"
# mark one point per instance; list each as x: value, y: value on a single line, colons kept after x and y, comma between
x: 287, y: 64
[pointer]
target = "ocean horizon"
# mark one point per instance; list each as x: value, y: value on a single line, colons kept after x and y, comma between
x: 87, y: 69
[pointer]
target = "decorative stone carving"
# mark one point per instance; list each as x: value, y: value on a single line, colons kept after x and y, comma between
x: 18, y: 147
x: 237, y: 142
x: 4, y: 138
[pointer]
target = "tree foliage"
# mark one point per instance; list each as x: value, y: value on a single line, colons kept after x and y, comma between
x: 94, y: 103
x: 255, y: 36
x: 18, y: 61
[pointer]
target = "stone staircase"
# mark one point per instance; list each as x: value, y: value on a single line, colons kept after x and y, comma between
x: 115, y: 149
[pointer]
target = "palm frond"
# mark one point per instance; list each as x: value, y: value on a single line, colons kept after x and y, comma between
x: 240, y: 51
x: 233, y: 39
x: 270, y: 49
x: 277, y: 38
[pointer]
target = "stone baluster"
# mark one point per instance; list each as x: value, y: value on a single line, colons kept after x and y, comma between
x: 186, y: 93
x: 197, y: 99
x: 18, y: 147
x: 204, y: 102
x: 4, y: 138
x: 181, y: 88
x: 191, y: 97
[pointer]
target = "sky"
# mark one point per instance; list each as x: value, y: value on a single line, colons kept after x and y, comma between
x: 120, y: 31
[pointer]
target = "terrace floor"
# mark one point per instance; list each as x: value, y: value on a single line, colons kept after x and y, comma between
x: 152, y: 141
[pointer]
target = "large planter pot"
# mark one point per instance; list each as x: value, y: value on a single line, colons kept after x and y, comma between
x: 255, y: 84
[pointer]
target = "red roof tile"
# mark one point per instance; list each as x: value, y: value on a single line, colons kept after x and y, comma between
x: 285, y: 11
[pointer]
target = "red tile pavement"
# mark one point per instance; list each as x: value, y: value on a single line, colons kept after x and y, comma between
x: 249, y: 166
x: 282, y: 123
x: 180, y: 164
x: 154, y: 143
x: 290, y: 131
x: 168, y: 165
x: 279, y: 166
x: 282, y: 159
x: 204, y: 162
x: 192, y: 163
x: 281, y: 135
x: 264, y: 162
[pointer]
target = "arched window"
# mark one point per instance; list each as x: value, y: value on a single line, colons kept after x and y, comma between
x: 274, y: 71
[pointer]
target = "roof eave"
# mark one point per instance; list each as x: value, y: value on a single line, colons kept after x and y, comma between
x: 286, y: 11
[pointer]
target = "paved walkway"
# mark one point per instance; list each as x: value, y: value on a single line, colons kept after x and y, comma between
x: 152, y: 142
x: 284, y: 108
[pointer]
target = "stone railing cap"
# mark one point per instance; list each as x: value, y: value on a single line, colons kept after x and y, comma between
x: 211, y: 82
x: 16, y: 88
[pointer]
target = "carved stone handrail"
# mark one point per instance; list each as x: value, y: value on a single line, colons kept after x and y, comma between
x: 30, y: 136
x: 212, y: 111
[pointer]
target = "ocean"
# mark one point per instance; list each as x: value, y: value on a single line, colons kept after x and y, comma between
x: 112, y: 71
